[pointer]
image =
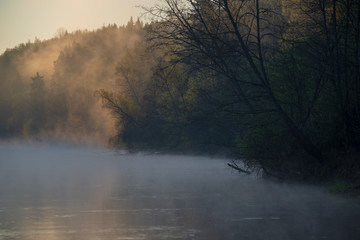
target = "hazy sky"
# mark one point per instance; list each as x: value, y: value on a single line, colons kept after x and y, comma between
x: 23, y: 20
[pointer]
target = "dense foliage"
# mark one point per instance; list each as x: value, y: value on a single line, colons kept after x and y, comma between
x: 286, y: 71
x: 275, y: 83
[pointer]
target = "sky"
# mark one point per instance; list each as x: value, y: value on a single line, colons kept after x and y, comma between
x: 24, y: 20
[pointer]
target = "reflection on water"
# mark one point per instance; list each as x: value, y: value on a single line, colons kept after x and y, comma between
x: 62, y: 192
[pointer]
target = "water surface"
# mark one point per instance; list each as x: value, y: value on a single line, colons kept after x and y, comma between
x: 67, y: 192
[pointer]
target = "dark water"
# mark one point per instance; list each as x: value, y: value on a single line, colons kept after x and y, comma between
x: 64, y: 192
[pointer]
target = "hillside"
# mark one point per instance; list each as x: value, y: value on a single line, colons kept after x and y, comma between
x: 48, y: 88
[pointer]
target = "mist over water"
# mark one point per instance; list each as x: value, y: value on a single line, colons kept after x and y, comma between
x: 61, y: 191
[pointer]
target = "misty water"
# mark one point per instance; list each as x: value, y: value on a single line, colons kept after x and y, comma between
x: 68, y: 192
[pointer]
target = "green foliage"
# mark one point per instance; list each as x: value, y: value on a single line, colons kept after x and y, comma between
x: 279, y: 89
x: 28, y: 128
x: 344, y: 187
x: 282, y: 75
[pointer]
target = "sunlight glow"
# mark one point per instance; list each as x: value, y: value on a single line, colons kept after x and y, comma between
x: 23, y: 20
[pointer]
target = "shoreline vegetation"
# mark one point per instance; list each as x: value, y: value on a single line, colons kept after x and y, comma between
x: 343, y: 187
x: 273, y: 83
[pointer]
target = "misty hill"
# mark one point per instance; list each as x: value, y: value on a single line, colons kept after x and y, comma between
x: 48, y: 88
x: 260, y: 81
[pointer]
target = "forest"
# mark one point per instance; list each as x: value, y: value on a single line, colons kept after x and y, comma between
x: 275, y: 84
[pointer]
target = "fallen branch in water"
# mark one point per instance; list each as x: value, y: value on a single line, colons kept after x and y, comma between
x: 236, y: 167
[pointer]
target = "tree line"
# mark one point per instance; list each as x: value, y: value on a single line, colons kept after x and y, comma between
x: 274, y: 83
x: 47, y: 88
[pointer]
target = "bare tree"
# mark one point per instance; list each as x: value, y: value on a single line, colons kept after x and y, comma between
x: 331, y: 28
x: 236, y: 40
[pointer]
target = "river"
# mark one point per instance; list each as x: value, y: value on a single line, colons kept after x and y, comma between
x: 64, y: 192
